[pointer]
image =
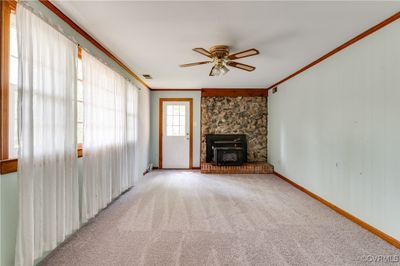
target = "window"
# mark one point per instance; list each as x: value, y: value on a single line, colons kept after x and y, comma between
x: 13, y: 92
x: 176, y: 119
x: 9, y: 93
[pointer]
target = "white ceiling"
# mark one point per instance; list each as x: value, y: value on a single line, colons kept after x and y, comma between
x: 155, y: 37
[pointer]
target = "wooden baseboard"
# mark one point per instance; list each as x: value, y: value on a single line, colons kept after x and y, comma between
x: 193, y: 168
x: 391, y: 240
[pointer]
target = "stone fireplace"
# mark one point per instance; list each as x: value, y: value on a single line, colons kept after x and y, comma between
x: 236, y: 115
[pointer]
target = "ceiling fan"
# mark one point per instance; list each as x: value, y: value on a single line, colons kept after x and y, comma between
x: 220, y: 57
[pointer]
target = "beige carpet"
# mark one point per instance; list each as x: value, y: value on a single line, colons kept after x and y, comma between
x: 186, y: 218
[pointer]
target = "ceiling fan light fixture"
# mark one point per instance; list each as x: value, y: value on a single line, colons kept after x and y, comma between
x: 224, y: 70
x: 216, y: 71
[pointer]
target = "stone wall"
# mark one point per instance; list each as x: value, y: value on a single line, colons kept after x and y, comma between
x: 236, y: 115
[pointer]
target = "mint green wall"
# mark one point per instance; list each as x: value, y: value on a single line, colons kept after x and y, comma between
x: 334, y: 129
x: 9, y: 183
x: 8, y: 217
x: 154, y: 104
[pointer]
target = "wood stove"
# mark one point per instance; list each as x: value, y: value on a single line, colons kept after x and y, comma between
x: 226, y: 149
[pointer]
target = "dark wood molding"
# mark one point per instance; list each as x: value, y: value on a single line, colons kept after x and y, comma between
x: 175, y: 89
x: 341, y: 47
x: 160, y: 128
x: 213, y: 92
x: 192, y: 168
x: 160, y: 125
x: 12, y: 3
x: 391, y: 240
x: 201, y: 130
x: 84, y: 34
x: 8, y: 166
x: 6, y: 8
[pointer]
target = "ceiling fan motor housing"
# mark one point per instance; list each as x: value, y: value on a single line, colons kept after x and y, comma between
x: 219, y: 51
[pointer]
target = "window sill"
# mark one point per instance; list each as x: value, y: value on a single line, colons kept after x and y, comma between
x: 8, y: 166
x: 11, y: 165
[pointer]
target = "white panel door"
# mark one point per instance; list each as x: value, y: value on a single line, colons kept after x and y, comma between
x: 176, y: 134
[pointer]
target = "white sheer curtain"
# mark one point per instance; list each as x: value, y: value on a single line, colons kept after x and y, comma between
x: 109, y: 128
x: 47, y: 162
x: 132, y: 120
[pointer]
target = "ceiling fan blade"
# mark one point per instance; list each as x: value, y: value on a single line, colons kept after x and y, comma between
x: 195, y: 64
x: 203, y: 52
x: 243, y: 54
x: 240, y: 66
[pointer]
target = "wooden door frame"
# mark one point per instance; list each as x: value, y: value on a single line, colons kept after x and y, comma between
x: 160, y: 128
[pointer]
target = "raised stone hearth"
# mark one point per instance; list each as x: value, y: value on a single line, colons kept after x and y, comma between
x: 247, y: 168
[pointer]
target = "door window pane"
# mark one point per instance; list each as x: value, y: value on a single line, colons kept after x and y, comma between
x: 175, y: 121
x: 170, y: 109
x: 176, y: 109
x: 176, y: 117
x: 169, y: 119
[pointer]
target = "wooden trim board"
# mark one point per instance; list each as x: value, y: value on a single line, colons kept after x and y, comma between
x: 8, y: 166
x: 213, y: 92
x: 160, y: 128
x: 391, y: 240
x: 175, y: 89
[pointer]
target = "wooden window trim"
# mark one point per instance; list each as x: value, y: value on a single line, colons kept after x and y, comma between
x: 6, y: 7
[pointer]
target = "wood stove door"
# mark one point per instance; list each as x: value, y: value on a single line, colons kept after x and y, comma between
x: 176, y: 134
